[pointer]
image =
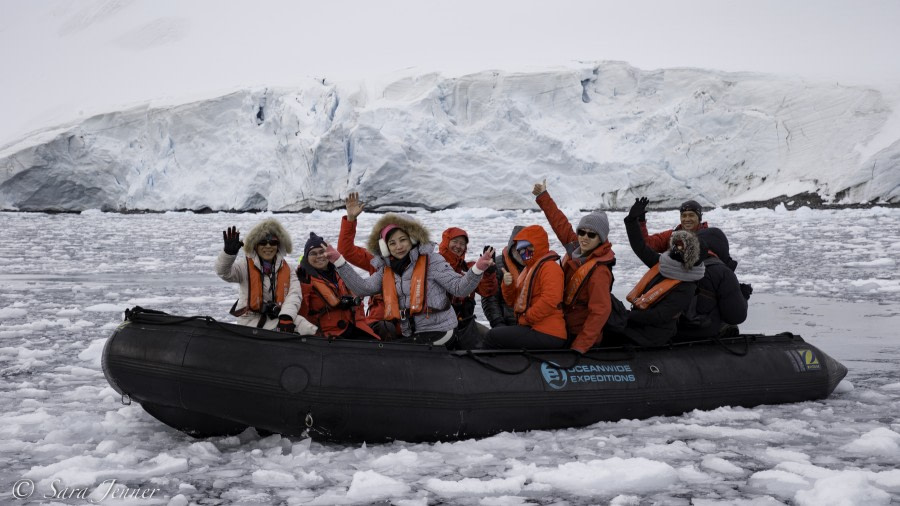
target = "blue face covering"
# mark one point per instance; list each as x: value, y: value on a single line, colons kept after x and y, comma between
x: 524, y: 252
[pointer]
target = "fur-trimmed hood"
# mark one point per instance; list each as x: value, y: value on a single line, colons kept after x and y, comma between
x: 269, y: 226
x: 416, y: 231
x: 691, y: 252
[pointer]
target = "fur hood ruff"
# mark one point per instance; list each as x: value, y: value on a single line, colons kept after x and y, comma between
x: 416, y: 231
x: 269, y: 226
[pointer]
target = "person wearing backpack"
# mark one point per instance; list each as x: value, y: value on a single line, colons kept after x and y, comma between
x: 587, y: 269
x: 720, y: 301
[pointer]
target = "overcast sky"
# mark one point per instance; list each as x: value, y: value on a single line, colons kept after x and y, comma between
x: 63, y: 59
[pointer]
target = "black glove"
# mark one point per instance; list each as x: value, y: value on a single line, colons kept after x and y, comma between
x: 232, y: 239
x: 746, y: 290
x: 285, y: 324
x: 638, y: 210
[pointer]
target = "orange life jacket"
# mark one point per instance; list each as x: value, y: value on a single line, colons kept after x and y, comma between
x: 329, y: 317
x: 574, y: 284
x: 255, y: 286
x: 642, y: 300
x: 326, y: 290
x: 524, y: 281
x: 392, y: 310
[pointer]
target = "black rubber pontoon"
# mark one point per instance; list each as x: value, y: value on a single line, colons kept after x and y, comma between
x: 208, y: 378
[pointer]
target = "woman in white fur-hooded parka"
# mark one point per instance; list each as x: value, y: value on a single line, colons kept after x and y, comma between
x: 269, y: 292
x: 413, y: 277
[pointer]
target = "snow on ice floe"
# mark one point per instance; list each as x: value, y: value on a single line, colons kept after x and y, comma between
x: 9, y: 313
x: 605, y: 477
x: 880, y: 442
x: 106, y: 308
x: 844, y: 488
x: 93, y: 353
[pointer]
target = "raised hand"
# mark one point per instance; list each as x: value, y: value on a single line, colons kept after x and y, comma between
x: 638, y: 210
x: 507, y: 277
x: 232, y: 240
x: 539, y: 188
x: 354, y: 206
x: 746, y: 290
x: 331, y: 253
x: 486, y: 260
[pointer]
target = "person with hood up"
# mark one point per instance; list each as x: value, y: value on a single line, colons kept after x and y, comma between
x: 414, y: 279
x: 536, y: 296
x: 496, y: 310
x: 691, y: 220
x: 269, y: 294
x: 665, y: 291
x: 453, y: 247
x: 587, y: 268
x: 720, y: 301
x: 327, y: 302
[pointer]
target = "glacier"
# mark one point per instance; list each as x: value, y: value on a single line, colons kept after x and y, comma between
x: 599, y: 133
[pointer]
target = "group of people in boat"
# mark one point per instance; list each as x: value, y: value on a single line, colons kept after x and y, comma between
x: 533, y: 298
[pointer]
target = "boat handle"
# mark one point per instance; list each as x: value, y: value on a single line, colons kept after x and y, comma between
x: 309, y: 420
x: 654, y: 369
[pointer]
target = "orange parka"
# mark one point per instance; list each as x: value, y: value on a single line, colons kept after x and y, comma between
x: 587, y: 312
x: 543, y: 309
x: 361, y: 258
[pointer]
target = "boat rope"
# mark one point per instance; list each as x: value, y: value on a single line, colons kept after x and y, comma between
x: 738, y: 353
x: 137, y: 312
x: 532, y: 358
x: 488, y: 365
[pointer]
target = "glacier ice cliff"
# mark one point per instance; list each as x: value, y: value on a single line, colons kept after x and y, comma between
x: 599, y: 133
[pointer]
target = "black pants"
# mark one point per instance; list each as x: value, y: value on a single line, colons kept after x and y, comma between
x: 519, y: 337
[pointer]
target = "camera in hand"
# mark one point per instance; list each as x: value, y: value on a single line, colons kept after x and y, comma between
x: 348, y: 302
x: 271, y: 310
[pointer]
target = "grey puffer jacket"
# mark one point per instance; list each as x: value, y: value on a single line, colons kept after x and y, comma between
x: 441, y: 280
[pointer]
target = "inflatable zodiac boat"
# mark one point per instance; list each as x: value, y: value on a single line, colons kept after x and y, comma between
x: 208, y: 378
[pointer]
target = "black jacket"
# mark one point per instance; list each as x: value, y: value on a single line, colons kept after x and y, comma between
x: 497, y: 312
x: 719, y: 298
x: 655, y: 325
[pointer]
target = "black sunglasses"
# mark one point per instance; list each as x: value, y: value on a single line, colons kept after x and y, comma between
x: 267, y: 243
x: 591, y: 235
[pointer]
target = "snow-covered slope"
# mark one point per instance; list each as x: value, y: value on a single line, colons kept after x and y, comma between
x: 600, y: 133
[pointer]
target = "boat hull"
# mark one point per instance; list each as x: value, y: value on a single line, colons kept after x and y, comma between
x: 208, y: 378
